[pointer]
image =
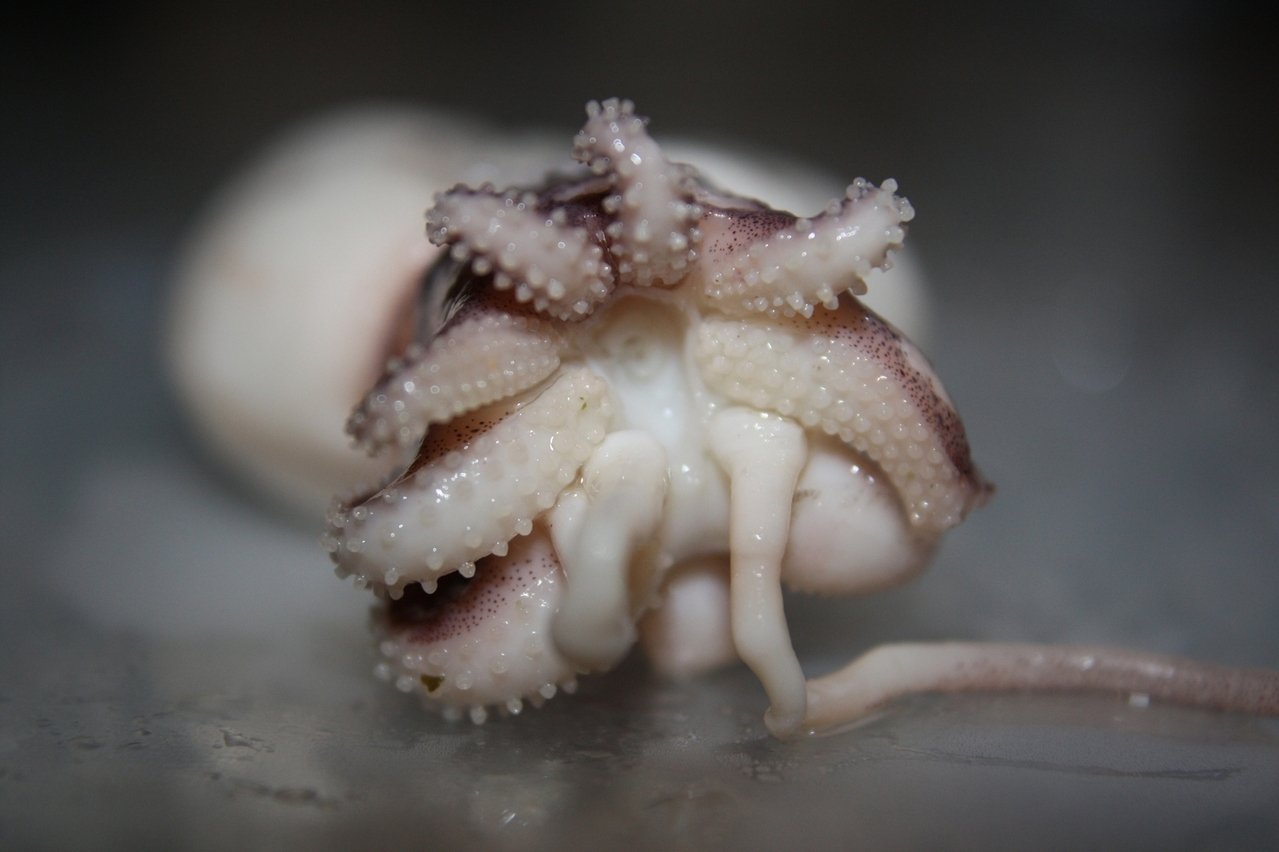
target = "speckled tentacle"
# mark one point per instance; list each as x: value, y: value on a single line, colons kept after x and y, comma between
x: 532, y: 251
x: 852, y: 375
x: 478, y: 481
x: 772, y: 262
x: 889, y: 672
x: 654, y: 234
x: 490, y: 644
x: 481, y: 357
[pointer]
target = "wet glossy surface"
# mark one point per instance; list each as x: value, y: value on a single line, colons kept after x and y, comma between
x: 182, y: 671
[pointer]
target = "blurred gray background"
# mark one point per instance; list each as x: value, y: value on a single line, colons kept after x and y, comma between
x: 1098, y: 197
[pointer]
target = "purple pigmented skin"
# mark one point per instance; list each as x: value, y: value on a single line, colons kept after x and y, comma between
x: 461, y: 606
x: 883, y: 343
x: 744, y: 229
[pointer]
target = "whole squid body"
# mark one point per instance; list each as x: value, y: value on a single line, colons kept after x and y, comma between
x: 626, y: 405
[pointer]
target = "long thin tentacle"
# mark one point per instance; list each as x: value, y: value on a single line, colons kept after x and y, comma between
x: 888, y: 672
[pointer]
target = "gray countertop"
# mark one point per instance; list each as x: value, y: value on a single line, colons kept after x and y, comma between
x: 1098, y: 198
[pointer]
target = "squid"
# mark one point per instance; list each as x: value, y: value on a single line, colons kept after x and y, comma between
x: 631, y: 408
